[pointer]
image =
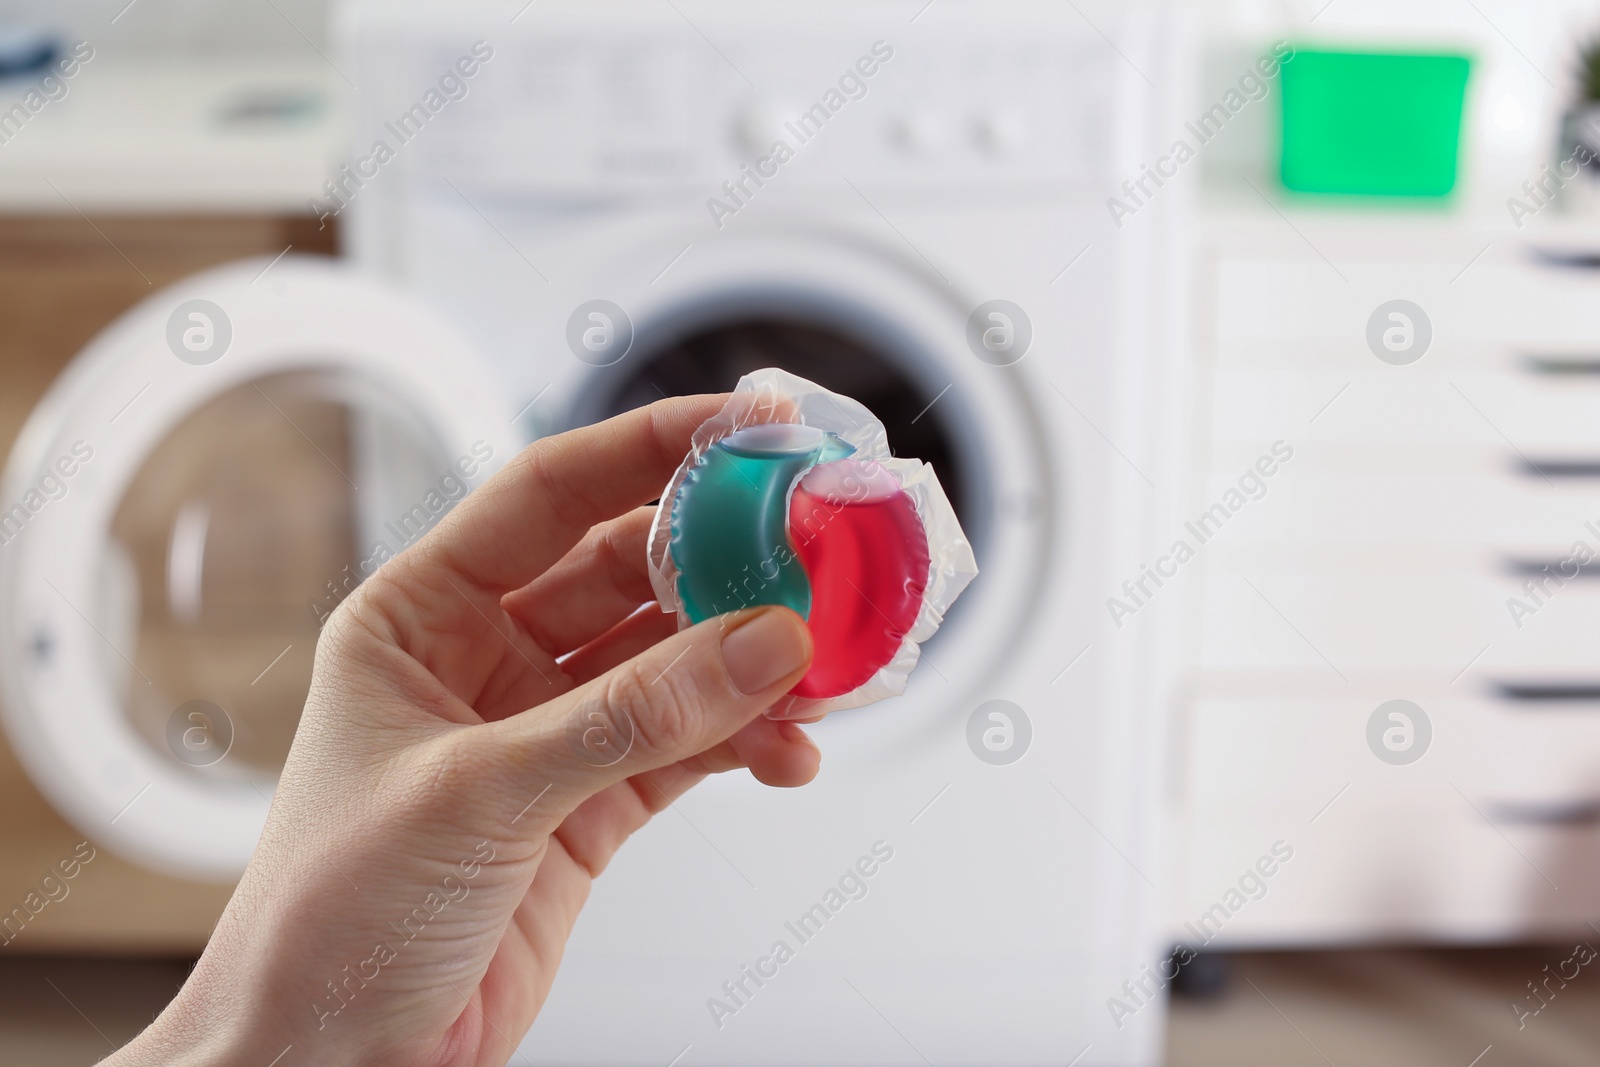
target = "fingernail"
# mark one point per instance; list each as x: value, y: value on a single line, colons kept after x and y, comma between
x: 782, y: 709
x: 771, y: 646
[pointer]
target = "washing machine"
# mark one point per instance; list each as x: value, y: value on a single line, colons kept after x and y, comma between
x: 560, y: 211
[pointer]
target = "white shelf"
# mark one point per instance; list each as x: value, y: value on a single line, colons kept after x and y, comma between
x: 158, y: 135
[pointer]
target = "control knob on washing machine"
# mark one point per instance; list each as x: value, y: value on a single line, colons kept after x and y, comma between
x: 999, y: 133
x: 761, y: 124
x: 920, y: 133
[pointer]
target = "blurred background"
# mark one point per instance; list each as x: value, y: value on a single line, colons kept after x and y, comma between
x: 1256, y: 342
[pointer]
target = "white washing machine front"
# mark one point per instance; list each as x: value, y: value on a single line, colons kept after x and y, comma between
x: 203, y: 484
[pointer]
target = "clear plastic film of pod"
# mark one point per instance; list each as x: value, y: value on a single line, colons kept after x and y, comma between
x: 789, y: 496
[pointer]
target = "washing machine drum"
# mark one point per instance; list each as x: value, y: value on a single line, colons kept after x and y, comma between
x: 830, y: 345
x: 203, y: 485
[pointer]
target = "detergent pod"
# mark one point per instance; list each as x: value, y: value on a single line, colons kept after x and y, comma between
x: 789, y: 496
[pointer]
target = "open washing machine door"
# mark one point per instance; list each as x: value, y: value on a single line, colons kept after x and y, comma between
x: 193, y: 497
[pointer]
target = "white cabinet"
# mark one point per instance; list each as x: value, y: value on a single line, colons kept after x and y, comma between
x: 1386, y: 560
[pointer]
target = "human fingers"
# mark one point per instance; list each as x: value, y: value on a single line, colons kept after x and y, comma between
x: 546, y: 499
x: 637, y: 633
x: 602, y: 580
x: 777, y: 757
x: 679, y: 698
x: 594, y: 831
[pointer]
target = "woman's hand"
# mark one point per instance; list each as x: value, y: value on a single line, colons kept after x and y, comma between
x: 491, y: 715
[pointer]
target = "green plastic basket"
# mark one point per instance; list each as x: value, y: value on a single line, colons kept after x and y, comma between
x: 1372, y: 123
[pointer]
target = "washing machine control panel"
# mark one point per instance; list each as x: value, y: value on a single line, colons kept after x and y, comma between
x: 660, y: 103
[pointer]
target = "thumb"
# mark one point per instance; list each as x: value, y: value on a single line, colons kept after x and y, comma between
x: 679, y: 698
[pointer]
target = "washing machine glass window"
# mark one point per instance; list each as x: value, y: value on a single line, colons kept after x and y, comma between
x: 186, y: 527
x: 707, y: 352
x: 240, y: 533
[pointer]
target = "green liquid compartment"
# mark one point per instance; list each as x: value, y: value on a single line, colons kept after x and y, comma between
x: 730, y: 542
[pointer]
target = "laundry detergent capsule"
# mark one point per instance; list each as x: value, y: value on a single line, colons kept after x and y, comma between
x: 791, y: 496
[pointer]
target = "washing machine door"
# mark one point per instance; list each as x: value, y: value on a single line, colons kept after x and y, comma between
x: 205, y: 483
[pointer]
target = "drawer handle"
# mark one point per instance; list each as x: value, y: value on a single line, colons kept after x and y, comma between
x: 1560, y: 813
x: 1559, y: 468
x: 1563, y: 366
x: 1549, y: 692
x: 1554, y: 568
